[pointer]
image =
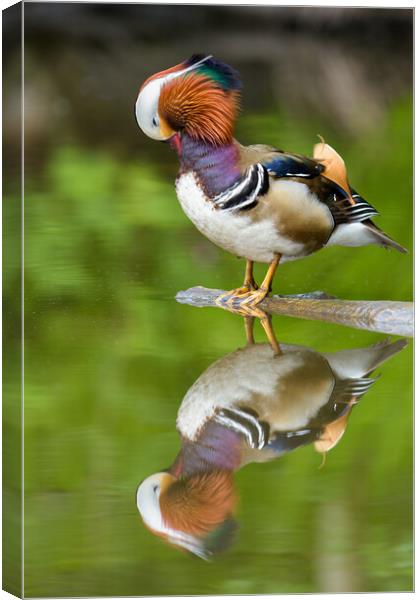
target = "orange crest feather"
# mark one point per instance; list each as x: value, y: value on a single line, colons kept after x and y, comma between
x: 197, y: 105
x: 332, y: 434
x: 198, y: 504
x: 335, y: 168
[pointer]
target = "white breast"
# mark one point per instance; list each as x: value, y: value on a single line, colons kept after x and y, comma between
x: 236, y: 233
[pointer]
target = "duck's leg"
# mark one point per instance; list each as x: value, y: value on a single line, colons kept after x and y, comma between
x: 256, y: 296
x: 267, y: 325
x: 249, y: 285
x: 249, y: 281
x: 249, y: 330
x: 249, y: 296
x: 269, y: 332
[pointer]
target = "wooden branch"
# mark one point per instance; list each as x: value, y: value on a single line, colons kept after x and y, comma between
x: 381, y: 316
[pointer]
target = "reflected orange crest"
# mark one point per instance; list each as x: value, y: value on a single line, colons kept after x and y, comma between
x: 198, y: 504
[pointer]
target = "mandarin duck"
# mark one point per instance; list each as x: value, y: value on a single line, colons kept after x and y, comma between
x: 257, y: 202
x: 250, y: 406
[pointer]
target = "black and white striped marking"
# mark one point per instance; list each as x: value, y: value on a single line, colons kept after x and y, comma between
x: 352, y: 388
x: 244, y: 194
x: 353, y: 213
x: 245, y: 422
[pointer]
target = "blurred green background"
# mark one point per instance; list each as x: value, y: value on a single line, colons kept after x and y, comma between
x: 109, y: 353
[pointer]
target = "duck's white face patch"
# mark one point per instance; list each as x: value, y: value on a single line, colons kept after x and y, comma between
x: 147, y: 109
x: 148, y: 494
x: 148, y: 501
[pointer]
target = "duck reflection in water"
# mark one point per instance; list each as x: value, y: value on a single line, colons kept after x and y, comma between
x: 252, y: 405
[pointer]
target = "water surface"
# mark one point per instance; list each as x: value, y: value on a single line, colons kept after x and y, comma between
x: 110, y: 354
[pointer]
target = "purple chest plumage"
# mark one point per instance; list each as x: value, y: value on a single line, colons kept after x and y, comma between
x: 216, y: 167
x: 216, y: 448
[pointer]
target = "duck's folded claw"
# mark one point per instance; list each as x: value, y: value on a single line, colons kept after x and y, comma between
x: 233, y: 295
x: 252, y: 299
x: 243, y: 302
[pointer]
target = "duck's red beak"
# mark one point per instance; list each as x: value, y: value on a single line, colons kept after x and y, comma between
x: 176, y: 143
x: 176, y: 468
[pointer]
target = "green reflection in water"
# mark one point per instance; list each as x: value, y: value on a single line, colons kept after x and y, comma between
x: 109, y: 356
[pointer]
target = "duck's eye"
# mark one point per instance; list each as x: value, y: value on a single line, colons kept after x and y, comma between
x: 155, y: 122
x: 155, y: 488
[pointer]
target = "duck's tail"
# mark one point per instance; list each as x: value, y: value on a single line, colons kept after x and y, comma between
x: 360, y: 362
x: 383, y: 239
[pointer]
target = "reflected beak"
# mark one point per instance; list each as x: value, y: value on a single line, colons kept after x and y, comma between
x: 176, y: 468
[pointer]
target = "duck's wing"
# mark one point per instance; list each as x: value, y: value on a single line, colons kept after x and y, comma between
x: 326, y: 177
x: 279, y: 163
x: 346, y: 206
x: 323, y: 177
x: 349, y: 211
x: 283, y: 164
x: 283, y: 442
x: 259, y: 165
x: 325, y: 429
x: 343, y: 208
x: 351, y: 369
x: 260, y: 443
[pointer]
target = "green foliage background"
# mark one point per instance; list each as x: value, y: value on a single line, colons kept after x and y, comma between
x: 109, y: 355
